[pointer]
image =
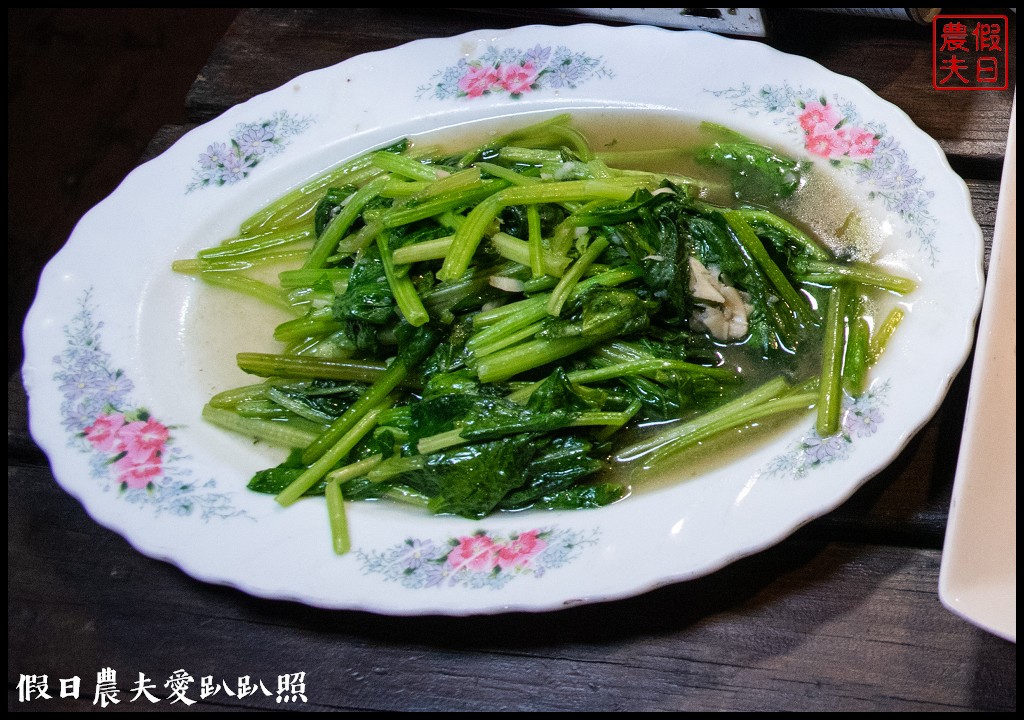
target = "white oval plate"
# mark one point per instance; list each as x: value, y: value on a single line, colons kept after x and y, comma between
x: 119, y: 346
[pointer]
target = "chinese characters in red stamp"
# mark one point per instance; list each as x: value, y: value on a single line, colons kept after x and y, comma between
x: 969, y: 52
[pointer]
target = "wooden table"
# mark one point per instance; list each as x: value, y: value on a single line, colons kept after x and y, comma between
x: 843, y: 615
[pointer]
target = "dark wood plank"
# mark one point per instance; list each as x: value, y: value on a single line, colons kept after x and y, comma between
x: 862, y: 621
x: 164, y: 138
x: 104, y: 79
x: 267, y: 47
x: 984, y: 201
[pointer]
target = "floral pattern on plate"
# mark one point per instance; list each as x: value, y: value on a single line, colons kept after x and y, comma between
x: 479, y: 560
x: 129, y: 449
x: 514, y: 72
x: 831, y: 128
x: 249, y: 144
x: 861, y: 418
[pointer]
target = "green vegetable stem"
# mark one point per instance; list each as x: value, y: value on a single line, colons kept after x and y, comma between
x: 492, y: 328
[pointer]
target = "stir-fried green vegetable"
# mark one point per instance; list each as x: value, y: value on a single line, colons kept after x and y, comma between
x: 490, y: 329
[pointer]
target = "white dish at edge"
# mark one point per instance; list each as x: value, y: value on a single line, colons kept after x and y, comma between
x: 978, y: 576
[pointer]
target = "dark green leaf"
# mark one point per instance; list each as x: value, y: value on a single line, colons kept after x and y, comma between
x: 583, y: 497
x: 472, y: 479
x: 273, y: 480
x: 560, y: 462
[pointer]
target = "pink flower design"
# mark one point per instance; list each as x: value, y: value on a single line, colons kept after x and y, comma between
x: 103, y: 433
x: 826, y: 142
x: 862, y: 142
x: 518, y: 79
x: 142, y: 439
x: 138, y: 473
x: 478, y: 80
x: 520, y: 551
x: 815, y: 114
x: 476, y: 552
x: 819, y: 122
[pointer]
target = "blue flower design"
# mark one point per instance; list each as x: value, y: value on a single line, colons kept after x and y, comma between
x: 227, y: 163
x: 81, y: 385
x: 237, y: 167
x: 826, y: 449
x: 861, y: 418
x: 93, y: 394
x: 419, y: 552
x: 538, y: 55
x: 255, y: 141
x: 215, y: 156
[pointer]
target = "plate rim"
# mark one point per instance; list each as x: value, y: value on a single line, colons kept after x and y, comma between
x: 50, y: 445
